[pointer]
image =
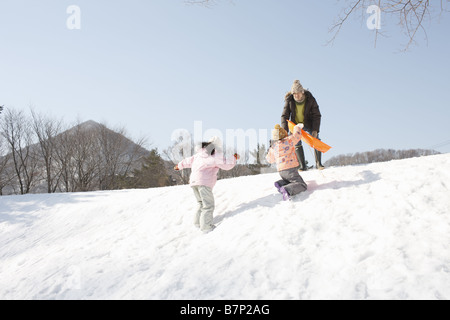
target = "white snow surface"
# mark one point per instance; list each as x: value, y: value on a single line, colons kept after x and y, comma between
x: 377, y: 231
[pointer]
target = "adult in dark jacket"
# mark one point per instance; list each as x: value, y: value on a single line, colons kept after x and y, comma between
x: 301, y: 107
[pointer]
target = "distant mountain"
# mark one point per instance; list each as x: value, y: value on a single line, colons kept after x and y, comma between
x: 91, y: 125
x: 86, y: 157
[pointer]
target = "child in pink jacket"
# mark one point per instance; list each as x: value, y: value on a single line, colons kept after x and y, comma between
x: 205, y: 165
x: 282, y: 152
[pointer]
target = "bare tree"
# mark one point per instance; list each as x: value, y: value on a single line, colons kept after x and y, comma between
x: 240, y: 169
x: 410, y: 14
x: 259, y: 154
x: 16, y: 130
x: 118, y: 155
x: 379, y: 155
x: 64, y: 150
x: 85, y: 157
x: 180, y: 149
x: 5, y: 156
x: 46, y: 130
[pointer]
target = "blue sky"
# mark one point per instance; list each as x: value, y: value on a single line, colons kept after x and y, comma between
x: 158, y: 66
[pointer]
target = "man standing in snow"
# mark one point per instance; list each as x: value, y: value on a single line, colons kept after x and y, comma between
x: 301, y: 107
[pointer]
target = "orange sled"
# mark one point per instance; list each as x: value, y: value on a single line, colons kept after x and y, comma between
x: 310, y: 140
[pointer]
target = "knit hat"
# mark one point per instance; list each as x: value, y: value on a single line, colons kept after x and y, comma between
x: 297, y: 87
x: 278, y: 133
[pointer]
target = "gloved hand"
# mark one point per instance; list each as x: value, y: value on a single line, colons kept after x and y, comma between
x: 176, y: 168
x: 236, y: 156
x: 314, y: 134
x: 299, y: 125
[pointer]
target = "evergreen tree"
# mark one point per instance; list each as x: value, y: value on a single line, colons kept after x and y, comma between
x: 260, y: 159
x: 152, y: 174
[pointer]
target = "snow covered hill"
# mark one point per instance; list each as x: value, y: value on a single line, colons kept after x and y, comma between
x: 378, y: 231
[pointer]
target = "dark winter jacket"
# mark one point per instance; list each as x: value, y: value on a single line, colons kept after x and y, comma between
x: 312, y: 114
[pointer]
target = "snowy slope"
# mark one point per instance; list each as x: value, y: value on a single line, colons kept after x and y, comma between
x: 378, y: 231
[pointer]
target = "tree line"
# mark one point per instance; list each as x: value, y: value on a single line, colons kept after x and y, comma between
x: 40, y: 154
x: 251, y: 163
x: 379, y: 155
